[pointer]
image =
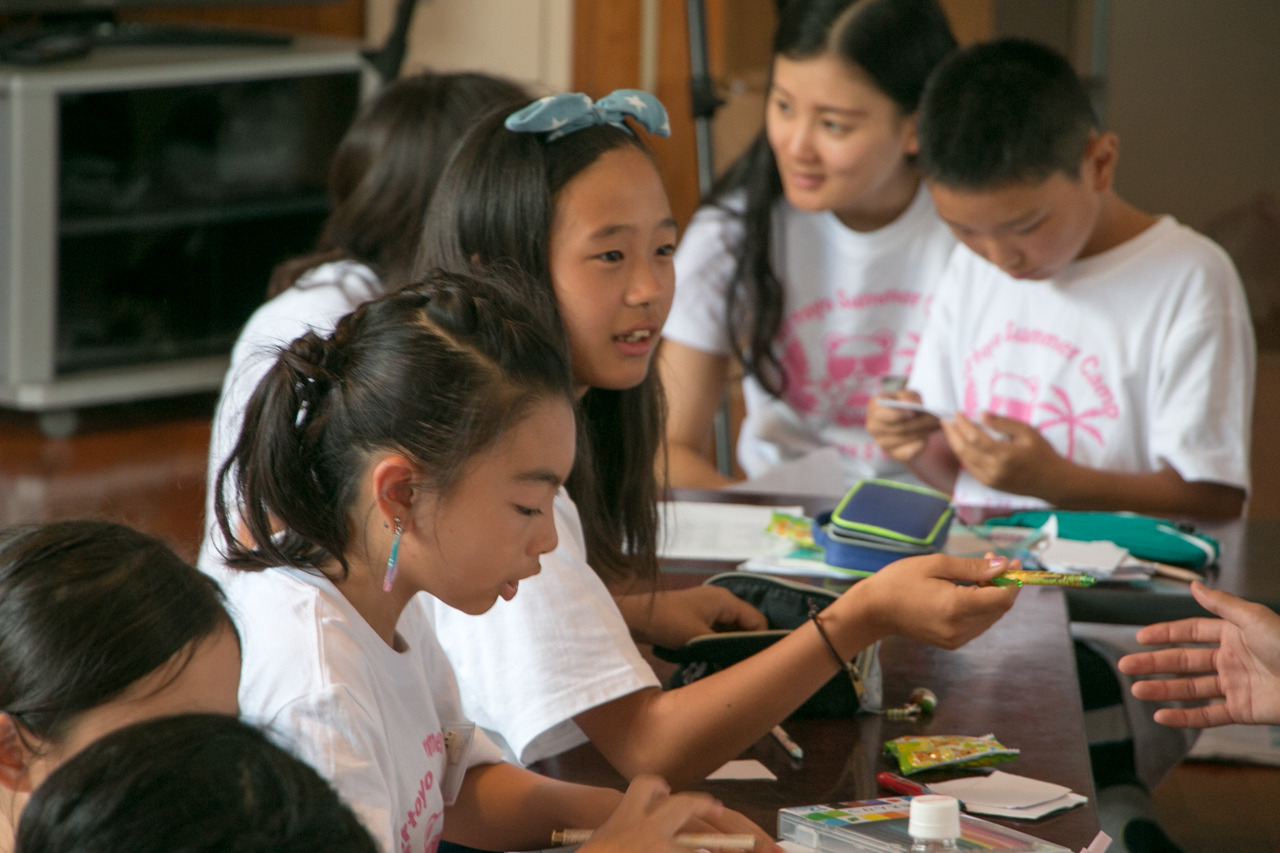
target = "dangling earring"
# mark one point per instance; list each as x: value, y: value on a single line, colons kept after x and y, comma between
x: 393, y: 560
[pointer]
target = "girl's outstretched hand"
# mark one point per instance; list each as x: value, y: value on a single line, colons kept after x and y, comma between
x: 1243, y: 671
x: 649, y: 816
x: 918, y: 597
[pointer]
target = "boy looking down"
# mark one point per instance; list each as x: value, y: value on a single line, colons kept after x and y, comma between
x: 1095, y: 356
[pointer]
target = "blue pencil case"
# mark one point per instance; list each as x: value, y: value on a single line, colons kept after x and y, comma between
x: 880, y: 521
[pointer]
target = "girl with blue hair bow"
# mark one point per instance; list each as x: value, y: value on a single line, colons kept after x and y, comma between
x: 565, y: 191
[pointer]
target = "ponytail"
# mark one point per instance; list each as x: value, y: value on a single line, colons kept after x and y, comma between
x: 437, y: 371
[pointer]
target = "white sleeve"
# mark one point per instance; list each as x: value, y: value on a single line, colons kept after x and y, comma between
x: 444, y: 694
x: 527, y: 667
x: 1202, y: 402
x: 705, y: 262
x: 333, y: 733
x: 931, y: 376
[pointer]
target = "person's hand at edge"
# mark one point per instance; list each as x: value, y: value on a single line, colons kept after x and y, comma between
x: 1243, y: 671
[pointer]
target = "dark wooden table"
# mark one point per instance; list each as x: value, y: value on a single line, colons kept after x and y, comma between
x: 1017, y: 681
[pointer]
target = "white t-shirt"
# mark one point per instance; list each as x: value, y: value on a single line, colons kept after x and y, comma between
x: 560, y: 647
x: 529, y: 665
x: 1130, y: 360
x: 367, y: 717
x: 855, y: 304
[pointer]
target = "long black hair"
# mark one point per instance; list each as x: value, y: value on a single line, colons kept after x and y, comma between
x: 437, y: 371
x: 194, y: 783
x: 87, y: 608
x: 897, y: 43
x: 385, y: 170
x: 496, y: 203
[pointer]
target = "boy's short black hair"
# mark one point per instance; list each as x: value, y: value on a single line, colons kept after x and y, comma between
x: 1002, y: 112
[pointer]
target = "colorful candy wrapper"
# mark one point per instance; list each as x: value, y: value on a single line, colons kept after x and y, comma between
x: 917, y: 753
x: 1027, y: 578
x: 796, y: 528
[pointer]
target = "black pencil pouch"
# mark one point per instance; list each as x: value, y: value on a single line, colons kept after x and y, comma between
x: 786, y: 605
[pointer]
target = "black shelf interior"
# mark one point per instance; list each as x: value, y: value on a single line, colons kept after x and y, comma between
x: 176, y: 203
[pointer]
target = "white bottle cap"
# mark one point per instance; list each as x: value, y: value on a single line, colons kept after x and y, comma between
x: 934, y: 817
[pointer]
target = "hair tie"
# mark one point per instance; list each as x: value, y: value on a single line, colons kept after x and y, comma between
x: 558, y: 115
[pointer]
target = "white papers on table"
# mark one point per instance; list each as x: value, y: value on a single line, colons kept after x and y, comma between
x: 1100, y: 558
x: 743, y: 769
x: 1103, y: 559
x: 819, y: 472
x: 1009, y: 795
x: 713, y: 531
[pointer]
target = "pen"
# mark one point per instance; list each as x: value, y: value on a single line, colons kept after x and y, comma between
x: 780, y: 735
x: 1176, y: 572
x: 708, y: 840
x: 901, y: 785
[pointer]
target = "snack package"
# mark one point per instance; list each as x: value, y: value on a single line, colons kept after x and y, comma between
x: 796, y: 528
x: 916, y: 754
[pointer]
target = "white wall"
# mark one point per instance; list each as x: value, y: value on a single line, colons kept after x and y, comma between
x: 530, y: 41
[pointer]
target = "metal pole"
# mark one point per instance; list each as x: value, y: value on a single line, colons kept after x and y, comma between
x: 702, y: 96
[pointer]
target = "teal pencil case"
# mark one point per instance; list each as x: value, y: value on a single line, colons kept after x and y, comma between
x: 1147, y: 538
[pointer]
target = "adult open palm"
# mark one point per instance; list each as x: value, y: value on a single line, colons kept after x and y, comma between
x: 1242, y: 672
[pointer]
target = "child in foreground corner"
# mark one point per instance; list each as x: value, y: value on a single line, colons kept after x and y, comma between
x: 240, y: 791
x: 1111, y: 348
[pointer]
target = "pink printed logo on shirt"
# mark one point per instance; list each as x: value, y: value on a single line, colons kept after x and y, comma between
x: 795, y: 365
x: 855, y: 364
x: 834, y: 350
x: 1013, y: 396
x: 433, y: 745
x: 1062, y: 419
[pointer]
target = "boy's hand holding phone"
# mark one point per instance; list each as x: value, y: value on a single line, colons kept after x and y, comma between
x: 901, y: 433
x: 1023, y: 462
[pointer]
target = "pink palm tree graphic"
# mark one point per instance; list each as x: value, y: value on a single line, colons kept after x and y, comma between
x: 1065, y: 415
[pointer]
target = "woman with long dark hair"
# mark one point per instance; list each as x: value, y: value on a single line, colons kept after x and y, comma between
x: 814, y: 259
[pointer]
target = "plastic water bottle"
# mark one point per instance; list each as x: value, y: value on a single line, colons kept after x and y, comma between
x: 934, y: 825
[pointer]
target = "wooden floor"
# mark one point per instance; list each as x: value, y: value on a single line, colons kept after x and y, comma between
x: 144, y: 464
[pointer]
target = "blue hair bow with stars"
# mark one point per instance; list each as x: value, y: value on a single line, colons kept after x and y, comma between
x: 558, y: 115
